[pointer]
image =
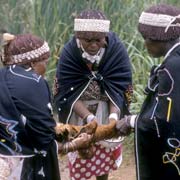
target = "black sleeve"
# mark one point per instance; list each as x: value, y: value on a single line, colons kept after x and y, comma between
x: 32, y: 99
x: 168, y: 86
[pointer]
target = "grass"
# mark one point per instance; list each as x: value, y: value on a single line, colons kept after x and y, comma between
x: 53, y: 21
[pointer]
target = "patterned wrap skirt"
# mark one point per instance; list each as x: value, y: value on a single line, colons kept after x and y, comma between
x: 103, y: 162
x: 106, y: 157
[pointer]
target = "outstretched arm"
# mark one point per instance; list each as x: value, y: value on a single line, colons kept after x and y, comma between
x: 81, y: 142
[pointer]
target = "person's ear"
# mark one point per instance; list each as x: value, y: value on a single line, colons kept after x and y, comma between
x: 33, y: 64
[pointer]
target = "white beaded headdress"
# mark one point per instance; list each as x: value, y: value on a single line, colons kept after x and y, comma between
x: 159, y: 20
x: 91, y: 25
x: 31, y: 54
x: 23, y: 57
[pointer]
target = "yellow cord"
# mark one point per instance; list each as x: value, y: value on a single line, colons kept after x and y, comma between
x: 169, y: 108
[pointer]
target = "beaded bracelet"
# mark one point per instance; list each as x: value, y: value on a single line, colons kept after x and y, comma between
x: 69, y: 146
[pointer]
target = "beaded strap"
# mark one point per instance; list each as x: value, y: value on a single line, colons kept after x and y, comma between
x: 93, y: 25
x: 31, y: 54
x: 158, y: 20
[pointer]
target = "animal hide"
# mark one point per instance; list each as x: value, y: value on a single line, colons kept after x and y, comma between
x: 67, y: 132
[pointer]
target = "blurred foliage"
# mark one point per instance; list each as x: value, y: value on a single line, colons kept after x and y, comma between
x: 53, y: 21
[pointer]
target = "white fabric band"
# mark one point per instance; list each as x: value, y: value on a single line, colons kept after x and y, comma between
x: 158, y: 20
x: 32, y: 54
x: 132, y: 121
x: 93, y: 25
x: 90, y: 118
x: 113, y: 116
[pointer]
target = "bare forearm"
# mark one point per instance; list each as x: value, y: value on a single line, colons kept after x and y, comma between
x: 82, y: 141
x: 114, y: 111
x: 113, y: 108
x: 80, y: 109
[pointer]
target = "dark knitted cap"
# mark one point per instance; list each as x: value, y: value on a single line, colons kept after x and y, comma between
x: 160, y: 22
x: 91, y: 14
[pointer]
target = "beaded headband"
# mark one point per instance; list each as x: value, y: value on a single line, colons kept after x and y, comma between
x: 31, y: 54
x: 92, y: 25
x: 158, y: 20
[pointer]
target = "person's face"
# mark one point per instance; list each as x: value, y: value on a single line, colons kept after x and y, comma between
x: 92, y: 42
x: 155, y: 48
x: 40, y: 66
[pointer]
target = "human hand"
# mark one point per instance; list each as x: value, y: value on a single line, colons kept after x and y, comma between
x: 66, y: 132
x: 82, y: 141
x: 89, y: 118
x: 84, y: 146
x: 123, y: 126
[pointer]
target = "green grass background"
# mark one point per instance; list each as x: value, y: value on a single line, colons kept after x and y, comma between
x: 53, y: 21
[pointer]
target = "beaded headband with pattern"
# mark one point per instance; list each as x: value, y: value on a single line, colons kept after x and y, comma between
x: 31, y: 54
x: 159, y: 20
x: 91, y: 25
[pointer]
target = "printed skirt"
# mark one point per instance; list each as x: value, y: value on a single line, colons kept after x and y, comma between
x: 104, y: 161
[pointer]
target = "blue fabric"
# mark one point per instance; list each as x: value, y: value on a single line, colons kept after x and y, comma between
x: 25, y: 93
x: 21, y: 94
x: 113, y: 75
x: 157, y: 137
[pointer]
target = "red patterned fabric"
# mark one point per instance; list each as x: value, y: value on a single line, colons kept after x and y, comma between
x: 103, y: 161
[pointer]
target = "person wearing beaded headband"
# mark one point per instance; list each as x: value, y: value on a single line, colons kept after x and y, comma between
x: 157, y: 127
x: 28, y: 149
x: 92, y: 80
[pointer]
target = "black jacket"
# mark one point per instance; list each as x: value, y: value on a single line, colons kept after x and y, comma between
x: 73, y: 75
x: 26, y: 94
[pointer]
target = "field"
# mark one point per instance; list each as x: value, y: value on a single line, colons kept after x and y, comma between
x: 53, y: 21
